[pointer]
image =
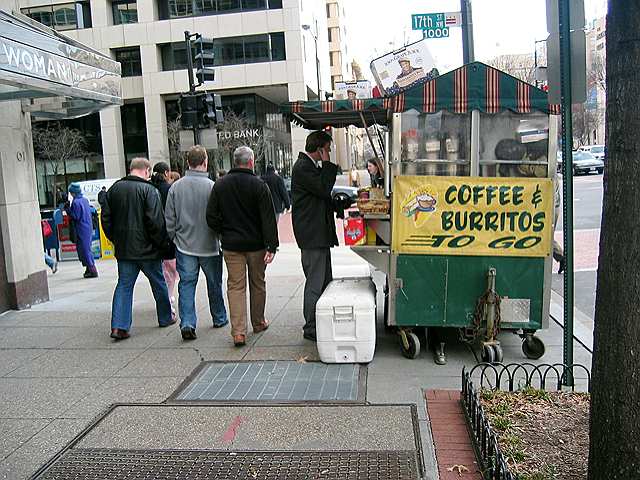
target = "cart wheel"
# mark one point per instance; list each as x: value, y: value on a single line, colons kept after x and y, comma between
x: 414, y: 346
x: 499, y: 355
x: 532, y: 347
x: 488, y: 354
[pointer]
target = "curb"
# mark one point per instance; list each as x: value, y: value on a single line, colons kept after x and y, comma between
x: 582, y: 325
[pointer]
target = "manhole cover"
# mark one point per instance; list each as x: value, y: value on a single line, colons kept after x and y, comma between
x: 274, y: 381
x: 109, y: 464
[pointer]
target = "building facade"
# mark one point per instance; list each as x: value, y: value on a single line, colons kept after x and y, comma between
x: 263, y: 58
x: 596, y: 75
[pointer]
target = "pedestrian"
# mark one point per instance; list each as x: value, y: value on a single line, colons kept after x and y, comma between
x: 241, y: 210
x: 162, y: 180
x: 175, y: 176
x: 47, y: 231
x: 79, y: 210
x: 278, y: 191
x: 376, y: 174
x: 314, y: 228
x: 197, y: 245
x: 132, y: 219
x: 354, y: 176
x: 221, y: 173
x: 102, y: 195
x: 557, y: 250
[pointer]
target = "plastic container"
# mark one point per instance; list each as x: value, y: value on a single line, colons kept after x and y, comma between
x: 346, y: 321
x: 355, y: 231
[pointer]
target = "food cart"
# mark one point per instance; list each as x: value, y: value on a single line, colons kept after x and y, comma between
x: 469, y: 164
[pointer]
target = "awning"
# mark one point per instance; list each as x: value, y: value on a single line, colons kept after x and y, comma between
x: 474, y: 86
x: 315, y: 115
x: 37, y: 62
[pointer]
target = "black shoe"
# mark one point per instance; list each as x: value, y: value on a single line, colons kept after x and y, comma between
x: 119, y: 334
x: 90, y: 274
x: 309, y: 336
x: 173, y: 321
x: 563, y: 265
x: 188, y: 333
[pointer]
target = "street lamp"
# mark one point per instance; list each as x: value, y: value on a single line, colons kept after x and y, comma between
x: 315, y: 39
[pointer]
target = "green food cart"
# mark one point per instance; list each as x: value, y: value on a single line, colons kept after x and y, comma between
x: 469, y: 164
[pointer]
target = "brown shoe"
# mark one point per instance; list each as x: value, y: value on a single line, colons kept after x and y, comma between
x: 261, y: 327
x: 239, y: 340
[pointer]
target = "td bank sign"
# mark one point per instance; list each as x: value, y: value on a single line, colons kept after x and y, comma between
x: 248, y: 133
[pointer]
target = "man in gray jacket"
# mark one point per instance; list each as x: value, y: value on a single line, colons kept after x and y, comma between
x: 196, y: 244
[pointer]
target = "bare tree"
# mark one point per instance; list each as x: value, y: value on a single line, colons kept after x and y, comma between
x: 598, y: 72
x: 235, y: 132
x: 55, y: 144
x: 520, y: 66
x: 614, y: 451
x: 585, y: 122
x: 176, y: 157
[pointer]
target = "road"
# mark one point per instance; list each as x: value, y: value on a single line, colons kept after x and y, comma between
x: 587, y: 216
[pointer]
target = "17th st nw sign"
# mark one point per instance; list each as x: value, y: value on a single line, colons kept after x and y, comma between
x: 436, y: 25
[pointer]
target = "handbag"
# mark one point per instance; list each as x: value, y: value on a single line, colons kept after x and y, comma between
x: 47, y: 231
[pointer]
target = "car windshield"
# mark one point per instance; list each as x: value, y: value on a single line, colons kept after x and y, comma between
x: 578, y: 156
x: 597, y: 149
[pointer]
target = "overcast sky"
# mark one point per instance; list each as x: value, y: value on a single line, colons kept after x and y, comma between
x: 376, y: 27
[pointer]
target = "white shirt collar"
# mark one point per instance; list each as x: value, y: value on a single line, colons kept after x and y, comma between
x: 316, y: 163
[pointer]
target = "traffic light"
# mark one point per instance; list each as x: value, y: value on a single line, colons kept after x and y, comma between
x: 213, y: 108
x: 204, y: 59
x: 189, y: 115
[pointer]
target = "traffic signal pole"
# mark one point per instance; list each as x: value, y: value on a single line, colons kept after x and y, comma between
x: 192, y: 85
x: 468, y: 54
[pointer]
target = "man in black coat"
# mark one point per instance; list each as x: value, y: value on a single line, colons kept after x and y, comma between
x: 312, y: 180
x: 132, y: 219
x: 278, y: 191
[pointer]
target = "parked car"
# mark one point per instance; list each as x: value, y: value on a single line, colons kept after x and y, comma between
x: 583, y: 163
x: 339, y: 192
x: 595, y: 150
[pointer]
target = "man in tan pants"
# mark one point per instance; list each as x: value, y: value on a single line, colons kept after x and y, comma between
x: 241, y: 211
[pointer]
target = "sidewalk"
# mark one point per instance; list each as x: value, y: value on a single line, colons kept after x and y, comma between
x: 59, y: 369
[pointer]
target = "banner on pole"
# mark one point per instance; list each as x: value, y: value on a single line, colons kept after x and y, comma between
x: 473, y: 216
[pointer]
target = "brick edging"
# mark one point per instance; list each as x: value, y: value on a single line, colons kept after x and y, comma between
x: 450, y: 435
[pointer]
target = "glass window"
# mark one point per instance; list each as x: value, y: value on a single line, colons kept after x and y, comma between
x: 180, y: 8
x: 125, y: 12
x: 275, y: 4
x: 64, y: 17
x: 256, y: 48
x: 254, y: 4
x: 228, y: 5
x: 514, y: 145
x: 278, y: 51
x: 129, y: 59
x: 228, y: 51
x: 205, y: 7
x: 43, y: 15
x: 435, y: 144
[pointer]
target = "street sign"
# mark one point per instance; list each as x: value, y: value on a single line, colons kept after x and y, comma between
x: 578, y: 67
x: 435, y: 25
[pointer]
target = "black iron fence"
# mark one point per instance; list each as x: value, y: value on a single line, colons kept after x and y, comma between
x: 511, y: 377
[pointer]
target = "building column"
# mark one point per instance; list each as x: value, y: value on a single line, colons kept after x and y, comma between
x: 157, y: 134
x: 23, y: 277
x: 112, y: 143
x: 297, y: 92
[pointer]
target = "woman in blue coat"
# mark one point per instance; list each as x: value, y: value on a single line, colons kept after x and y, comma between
x: 80, y: 213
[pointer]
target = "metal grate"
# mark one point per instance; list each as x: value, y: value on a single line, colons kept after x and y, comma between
x: 108, y: 464
x: 277, y: 381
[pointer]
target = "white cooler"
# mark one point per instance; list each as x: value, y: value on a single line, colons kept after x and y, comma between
x: 346, y: 321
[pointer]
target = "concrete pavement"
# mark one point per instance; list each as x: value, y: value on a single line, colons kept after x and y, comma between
x: 59, y: 369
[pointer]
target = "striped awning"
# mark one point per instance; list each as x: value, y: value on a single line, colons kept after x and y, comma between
x: 474, y: 86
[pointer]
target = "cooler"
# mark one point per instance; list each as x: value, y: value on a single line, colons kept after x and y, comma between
x: 346, y: 321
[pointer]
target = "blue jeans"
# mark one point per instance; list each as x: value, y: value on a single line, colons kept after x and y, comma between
x: 48, y: 259
x: 128, y: 270
x: 189, y: 268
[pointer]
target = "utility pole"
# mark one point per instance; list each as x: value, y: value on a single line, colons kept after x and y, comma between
x: 567, y: 184
x: 468, y: 55
x: 192, y: 85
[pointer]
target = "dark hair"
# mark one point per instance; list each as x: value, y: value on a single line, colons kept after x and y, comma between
x: 161, y: 168
x: 378, y: 165
x: 196, y: 156
x: 317, y: 140
x: 271, y: 168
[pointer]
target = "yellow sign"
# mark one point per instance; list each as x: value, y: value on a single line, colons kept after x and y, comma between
x: 473, y: 216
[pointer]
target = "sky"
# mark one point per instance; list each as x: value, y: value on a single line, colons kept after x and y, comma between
x: 375, y: 27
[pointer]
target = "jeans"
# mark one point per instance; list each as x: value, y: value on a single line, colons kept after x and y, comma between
x: 48, y: 259
x: 189, y: 268
x: 128, y: 270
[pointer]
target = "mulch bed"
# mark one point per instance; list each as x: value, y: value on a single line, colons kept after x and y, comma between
x: 543, y: 435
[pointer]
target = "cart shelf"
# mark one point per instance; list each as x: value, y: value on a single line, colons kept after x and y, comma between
x: 377, y: 255
x: 377, y: 216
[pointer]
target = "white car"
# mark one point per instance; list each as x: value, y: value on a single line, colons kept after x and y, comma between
x: 595, y: 150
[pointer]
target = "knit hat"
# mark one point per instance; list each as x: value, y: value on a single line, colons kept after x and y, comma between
x: 75, y: 189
